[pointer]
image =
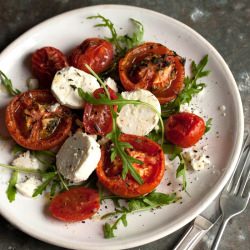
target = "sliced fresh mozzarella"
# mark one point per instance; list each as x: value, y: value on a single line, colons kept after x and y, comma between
x: 26, y: 160
x: 65, y: 84
x: 28, y: 187
x: 111, y: 83
x: 196, y: 160
x: 78, y: 157
x: 138, y: 119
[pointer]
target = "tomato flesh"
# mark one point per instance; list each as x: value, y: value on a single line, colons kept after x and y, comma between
x: 154, y: 67
x: 151, y: 170
x: 97, y: 119
x: 33, y: 125
x: 184, y: 129
x: 75, y: 204
x: 45, y: 63
x: 97, y: 53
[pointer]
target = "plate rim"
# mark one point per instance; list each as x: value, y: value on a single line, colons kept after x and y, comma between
x: 198, y: 208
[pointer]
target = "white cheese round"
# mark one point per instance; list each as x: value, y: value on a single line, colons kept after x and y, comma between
x: 28, y: 187
x: 111, y: 83
x: 78, y: 157
x: 26, y: 160
x: 138, y: 119
x: 65, y: 84
x: 196, y: 160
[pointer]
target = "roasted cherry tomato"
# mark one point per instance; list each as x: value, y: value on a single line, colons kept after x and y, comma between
x: 97, y: 53
x: 75, y: 204
x: 34, y: 123
x: 151, y: 170
x: 154, y: 67
x: 45, y: 63
x: 184, y: 129
x: 97, y: 119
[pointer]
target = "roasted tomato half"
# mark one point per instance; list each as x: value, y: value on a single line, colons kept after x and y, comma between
x: 35, y: 122
x: 45, y: 63
x: 184, y: 129
x: 97, y: 119
x: 151, y: 170
x: 75, y: 204
x: 154, y: 67
x: 97, y: 53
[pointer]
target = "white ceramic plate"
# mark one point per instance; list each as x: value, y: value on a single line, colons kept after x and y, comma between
x: 224, y: 140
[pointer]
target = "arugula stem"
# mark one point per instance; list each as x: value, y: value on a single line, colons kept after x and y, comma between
x: 62, y: 181
x: 8, y: 85
x: 110, y: 25
x: 21, y: 169
x: 108, y: 215
x: 11, y: 190
x: 98, y: 79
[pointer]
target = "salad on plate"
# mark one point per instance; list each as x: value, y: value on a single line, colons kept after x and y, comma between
x: 104, y: 123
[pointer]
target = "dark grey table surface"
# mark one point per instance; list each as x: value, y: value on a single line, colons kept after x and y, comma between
x: 224, y: 23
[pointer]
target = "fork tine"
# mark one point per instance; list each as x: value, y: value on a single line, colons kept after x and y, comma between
x: 238, y: 174
x: 244, y: 146
x: 246, y: 177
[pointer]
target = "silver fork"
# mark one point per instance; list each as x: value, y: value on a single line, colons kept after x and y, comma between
x: 234, y: 197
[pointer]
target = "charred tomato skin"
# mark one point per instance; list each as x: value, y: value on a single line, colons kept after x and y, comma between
x: 75, y: 204
x: 96, y: 52
x: 45, y: 62
x: 32, y: 125
x: 97, y: 119
x: 154, y: 67
x: 151, y: 170
x: 184, y: 129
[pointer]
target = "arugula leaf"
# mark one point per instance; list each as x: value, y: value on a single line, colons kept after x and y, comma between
x: 11, y: 190
x: 181, y: 171
x: 17, y: 149
x: 208, y: 125
x: 46, y: 157
x: 8, y: 85
x: 159, y: 199
x: 191, y: 88
x: 54, y: 186
x: 48, y: 178
x: 152, y: 200
x: 122, y: 43
x: 108, y: 231
x: 155, y: 136
x: 119, y: 150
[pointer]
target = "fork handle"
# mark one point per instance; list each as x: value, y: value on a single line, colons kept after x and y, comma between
x: 219, y: 234
x: 194, y: 234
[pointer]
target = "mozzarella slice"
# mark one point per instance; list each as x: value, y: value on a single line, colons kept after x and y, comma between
x: 78, y: 157
x: 138, y: 119
x: 111, y: 83
x: 65, y: 84
x: 26, y: 160
x: 197, y: 161
x: 28, y: 187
